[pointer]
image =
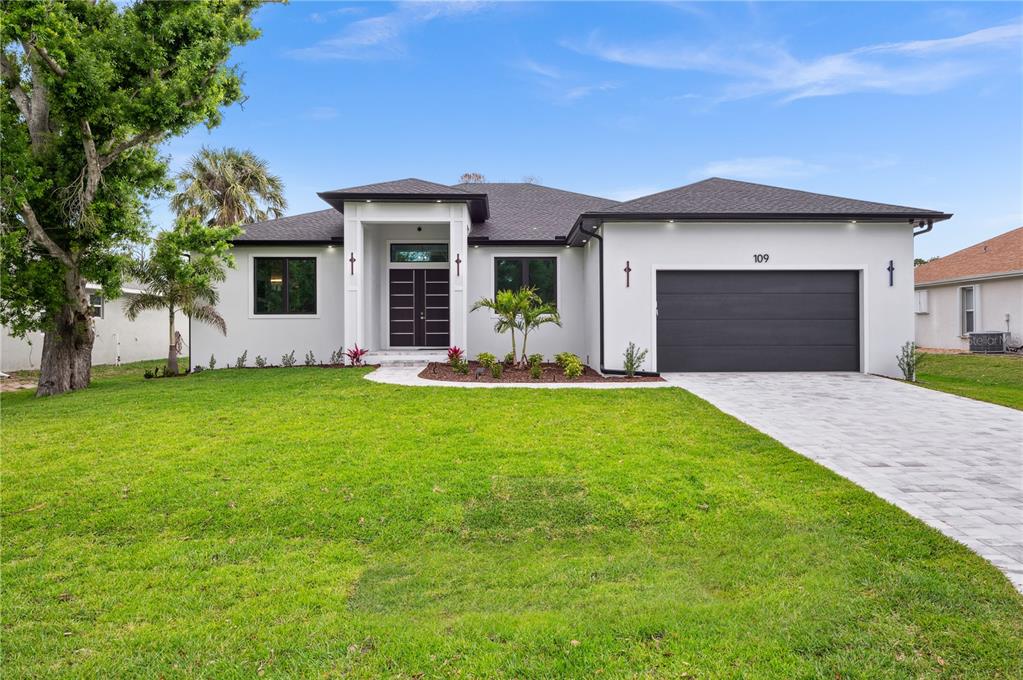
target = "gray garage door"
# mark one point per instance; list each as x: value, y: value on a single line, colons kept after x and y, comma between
x: 758, y: 321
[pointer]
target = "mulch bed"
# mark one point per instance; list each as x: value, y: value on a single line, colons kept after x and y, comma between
x: 552, y: 373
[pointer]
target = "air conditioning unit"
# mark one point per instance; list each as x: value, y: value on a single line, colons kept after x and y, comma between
x: 988, y: 342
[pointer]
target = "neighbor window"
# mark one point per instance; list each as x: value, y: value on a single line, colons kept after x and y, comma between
x: 967, y: 305
x: 921, y: 302
x: 285, y: 285
x: 419, y: 252
x: 540, y: 273
x: 96, y: 303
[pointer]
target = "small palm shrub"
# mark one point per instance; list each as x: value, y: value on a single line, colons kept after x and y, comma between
x: 288, y: 360
x: 310, y: 358
x: 910, y: 358
x: 260, y: 362
x: 633, y: 359
x: 240, y: 361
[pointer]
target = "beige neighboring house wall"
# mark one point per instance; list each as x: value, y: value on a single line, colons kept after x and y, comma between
x: 118, y: 340
x: 939, y: 319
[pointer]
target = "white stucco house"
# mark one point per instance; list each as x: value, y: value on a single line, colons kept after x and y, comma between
x: 118, y: 340
x: 719, y: 275
x: 976, y: 289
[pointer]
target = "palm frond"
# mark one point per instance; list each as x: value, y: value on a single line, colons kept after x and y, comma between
x: 207, y: 314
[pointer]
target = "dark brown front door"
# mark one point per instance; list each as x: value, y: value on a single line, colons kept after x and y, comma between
x: 419, y: 307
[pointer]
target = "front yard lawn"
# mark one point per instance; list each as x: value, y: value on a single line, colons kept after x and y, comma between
x: 308, y: 523
x: 997, y: 378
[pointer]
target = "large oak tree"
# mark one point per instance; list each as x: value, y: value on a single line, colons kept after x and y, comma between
x: 89, y: 91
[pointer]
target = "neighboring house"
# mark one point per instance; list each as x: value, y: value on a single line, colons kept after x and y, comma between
x: 979, y: 288
x: 718, y: 275
x: 118, y: 340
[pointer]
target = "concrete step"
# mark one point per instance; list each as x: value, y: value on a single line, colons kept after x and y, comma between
x: 405, y: 357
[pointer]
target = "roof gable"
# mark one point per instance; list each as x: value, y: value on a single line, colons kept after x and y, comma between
x: 728, y: 197
x: 998, y: 255
x: 409, y: 190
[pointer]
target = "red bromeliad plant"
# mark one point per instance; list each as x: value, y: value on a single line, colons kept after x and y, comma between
x: 455, y: 355
x: 355, y: 354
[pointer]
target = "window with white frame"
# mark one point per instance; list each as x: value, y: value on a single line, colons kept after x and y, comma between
x: 96, y: 305
x: 967, y: 305
x: 921, y: 302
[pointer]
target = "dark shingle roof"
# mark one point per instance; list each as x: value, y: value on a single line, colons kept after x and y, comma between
x: 530, y: 212
x: 410, y: 185
x: 322, y: 225
x: 716, y: 196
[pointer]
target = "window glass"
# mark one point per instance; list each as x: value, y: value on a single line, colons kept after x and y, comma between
x: 270, y: 285
x: 967, y: 306
x: 302, y: 286
x: 541, y: 273
x: 96, y: 302
x: 419, y: 252
x: 285, y: 285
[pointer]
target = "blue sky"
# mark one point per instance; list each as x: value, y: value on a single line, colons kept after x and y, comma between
x: 919, y: 104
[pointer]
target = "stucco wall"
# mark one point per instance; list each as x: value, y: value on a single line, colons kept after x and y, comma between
x: 887, y: 321
x: 940, y: 326
x: 274, y: 336
x: 144, y: 338
x: 548, y: 340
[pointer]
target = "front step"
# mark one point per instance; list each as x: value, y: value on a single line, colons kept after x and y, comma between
x: 411, y: 357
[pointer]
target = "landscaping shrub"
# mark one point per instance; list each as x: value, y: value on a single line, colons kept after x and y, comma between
x: 573, y: 366
x: 461, y: 367
x: 496, y: 369
x: 288, y: 360
x: 198, y: 368
x: 355, y: 354
x: 240, y: 361
x: 310, y: 358
x: 633, y: 359
x: 535, y: 370
x: 910, y: 359
x: 337, y: 356
x: 213, y: 362
x: 535, y: 359
x: 486, y: 360
x: 562, y: 358
x: 455, y: 355
x: 260, y: 362
x: 509, y: 358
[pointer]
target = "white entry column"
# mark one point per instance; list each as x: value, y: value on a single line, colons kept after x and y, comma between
x: 354, y: 280
x: 458, y: 244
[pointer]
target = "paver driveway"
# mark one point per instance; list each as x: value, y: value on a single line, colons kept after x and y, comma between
x: 955, y: 463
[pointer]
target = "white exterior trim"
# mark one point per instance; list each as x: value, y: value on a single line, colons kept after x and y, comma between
x: 862, y: 269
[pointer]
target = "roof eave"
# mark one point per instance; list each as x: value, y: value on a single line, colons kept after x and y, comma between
x: 479, y: 206
x: 288, y: 242
x: 1013, y: 273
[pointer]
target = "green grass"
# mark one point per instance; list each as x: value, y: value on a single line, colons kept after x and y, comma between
x: 994, y: 378
x: 308, y: 523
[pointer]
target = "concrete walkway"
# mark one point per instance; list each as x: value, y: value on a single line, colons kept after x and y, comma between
x: 955, y: 463
x: 409, y: 376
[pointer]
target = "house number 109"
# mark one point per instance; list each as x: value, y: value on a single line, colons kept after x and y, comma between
x: 761, y: 258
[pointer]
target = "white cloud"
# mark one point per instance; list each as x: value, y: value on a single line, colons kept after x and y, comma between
x: 542, y: 70
x: 562, y: 87
x: 381, y: 37
x: 580, y: 91
x: 759, y: 168
x: 323, y: 17
x: 321, y: 113
x: 909, y: 67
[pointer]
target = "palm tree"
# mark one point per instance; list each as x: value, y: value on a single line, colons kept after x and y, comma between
x: 181, y: 275
x: 226, y: 187
x: 507, y: 307
x: 534, y: 313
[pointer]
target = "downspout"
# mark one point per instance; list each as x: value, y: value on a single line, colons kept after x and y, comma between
x: 924, y: 230
x: 600, y: 257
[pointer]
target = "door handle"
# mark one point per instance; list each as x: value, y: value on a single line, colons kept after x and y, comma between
x: 422, y: 315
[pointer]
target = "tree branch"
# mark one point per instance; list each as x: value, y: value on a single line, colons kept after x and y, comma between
x: 10, y: 73
x: 93, y: 166
x: 47, y: 59
x: 40, y: 237
x: 141, y: 138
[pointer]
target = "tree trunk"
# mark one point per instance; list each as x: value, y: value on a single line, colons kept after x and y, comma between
x: 172, y: 350
x: 66, y: 362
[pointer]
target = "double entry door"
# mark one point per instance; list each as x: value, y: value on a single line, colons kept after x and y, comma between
x: 419, y: 307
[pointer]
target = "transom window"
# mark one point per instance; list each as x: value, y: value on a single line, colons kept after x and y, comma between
x: 966, y: 299
x: 540, y: 273
x: 285, y: 285
x: 96, y: 304
x: 419, y: 252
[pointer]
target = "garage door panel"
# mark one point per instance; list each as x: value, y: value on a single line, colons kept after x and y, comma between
x: 758, y: 306
x: 720, y: 282
x: 728, y: 359
x: 744, y: 333
x: 758, y: 321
